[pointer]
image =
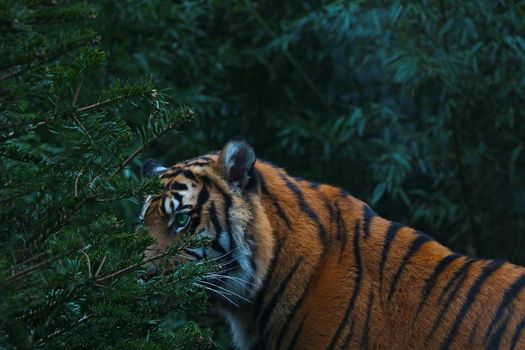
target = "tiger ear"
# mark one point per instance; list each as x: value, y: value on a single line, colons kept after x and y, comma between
x: 152, y: 167
x: 235, y: 162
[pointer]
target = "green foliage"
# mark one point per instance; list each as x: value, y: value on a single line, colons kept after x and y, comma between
x: 68, y: 267
x: 415, y: 107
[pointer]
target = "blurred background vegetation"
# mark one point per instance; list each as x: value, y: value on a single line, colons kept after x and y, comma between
x: 415, y: 107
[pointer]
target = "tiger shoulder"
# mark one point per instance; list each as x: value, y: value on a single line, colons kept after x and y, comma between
x: 308, y: 266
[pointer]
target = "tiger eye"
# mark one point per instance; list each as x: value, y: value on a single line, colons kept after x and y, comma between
x: 182, y: 219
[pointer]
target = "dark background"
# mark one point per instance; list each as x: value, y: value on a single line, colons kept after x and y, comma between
x: 416, y: 109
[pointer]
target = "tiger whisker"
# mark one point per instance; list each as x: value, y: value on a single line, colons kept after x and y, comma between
x: 238, y: 282
x: 215, y: 291
x: 226, y: 291
x: 224, y: 255
x: 236, y: 279
x: 212, y: 259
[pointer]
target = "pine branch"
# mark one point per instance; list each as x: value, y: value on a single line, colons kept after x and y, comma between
x: 62, y: 221
x: 131, y: 267
x: 190, y: 114
x: 18, y: 195
x: 38, y: 266
x: 43, y: 59
x: 65, y: 330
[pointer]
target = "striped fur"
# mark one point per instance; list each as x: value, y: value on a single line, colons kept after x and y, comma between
x: 308, y: 266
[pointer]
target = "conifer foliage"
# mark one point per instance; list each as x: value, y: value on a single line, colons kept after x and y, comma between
x: 68, y: 267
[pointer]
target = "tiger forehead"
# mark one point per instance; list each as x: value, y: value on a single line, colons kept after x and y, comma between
x: 188, y: 168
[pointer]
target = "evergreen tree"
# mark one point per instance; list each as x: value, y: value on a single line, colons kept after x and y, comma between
x: 68, y: 266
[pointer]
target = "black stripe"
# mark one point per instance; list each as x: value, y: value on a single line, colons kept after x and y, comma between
x: 280, y: 212
x: 215, y: 244
x: 295, y: 337
x: 268, y: 277
x: 431, y: 282
x: 368, y: 214
x: 188, y: 174
x: 414, y: 248
x: 508, y: 297
x: 344, y: 193
x: 393, y: 229
x: 498, y: 335
x: 459, y: 274
x: 291, y: 315
x: 348, y: 338
x: 198, y: 164
x: 203, y: 196
x: 170, y: 175
x: 178, y: 197
x: 178, y: 186
x: 253, y: 181
x: 265, y: 316
x: 357, y: 284
x: 471, y: 297
x: 201, y: 158
x: 192, y: 253
x: 473, y: 332
x: 516, y: 335
x: 306, y: 208
x: 162, y: 206
x: 253, y: 265
x: 227, y: 199
x: 195, y: 222
x: 457, y: 281
x: 341, y: 229
x: 364, y: 338
x: 329, y: 207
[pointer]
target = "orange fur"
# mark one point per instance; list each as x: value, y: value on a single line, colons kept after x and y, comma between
x: 329, y: 273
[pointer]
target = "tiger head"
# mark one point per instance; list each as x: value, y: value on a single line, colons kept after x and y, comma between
x: 215, y: 197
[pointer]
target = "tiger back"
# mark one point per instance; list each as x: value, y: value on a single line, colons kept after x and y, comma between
x: 308, y: 266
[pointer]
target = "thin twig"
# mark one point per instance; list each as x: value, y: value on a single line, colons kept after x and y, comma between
x: 83, y: 128
x: 28, y: 260
x: 131, y: 267
x: 88, y: 262
x: 76, y: 181
x: 123, y: 164
x: 77, y: 92
x: 63, y: 330
x: 102, y: 103
x: 101, y: 264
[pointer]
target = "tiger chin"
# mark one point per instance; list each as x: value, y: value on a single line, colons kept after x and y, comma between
x: 308, y: 266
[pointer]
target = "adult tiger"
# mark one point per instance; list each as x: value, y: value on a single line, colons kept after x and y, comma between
x: 308, y: 266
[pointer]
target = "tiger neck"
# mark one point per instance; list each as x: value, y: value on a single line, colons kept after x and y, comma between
x: 323, y: 237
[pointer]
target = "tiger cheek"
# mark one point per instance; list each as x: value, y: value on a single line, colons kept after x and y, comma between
x: 157, y: 229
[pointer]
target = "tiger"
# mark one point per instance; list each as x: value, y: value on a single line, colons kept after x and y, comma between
x: 308, y: 266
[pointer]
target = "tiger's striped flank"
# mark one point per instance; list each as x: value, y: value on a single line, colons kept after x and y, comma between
x: 308, y: 266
